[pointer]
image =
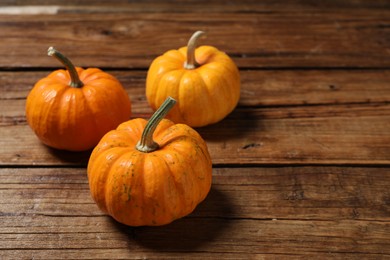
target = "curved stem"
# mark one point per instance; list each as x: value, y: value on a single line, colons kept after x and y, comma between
x: 75, y: 81
x: 191, y: 46
x: 147, y: 144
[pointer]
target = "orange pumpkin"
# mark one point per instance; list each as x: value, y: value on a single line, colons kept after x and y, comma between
x: 150, y: 173
x: 72, y: 109
x: 204, y: 81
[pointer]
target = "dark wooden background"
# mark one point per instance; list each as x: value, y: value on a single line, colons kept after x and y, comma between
x: 301, y: 167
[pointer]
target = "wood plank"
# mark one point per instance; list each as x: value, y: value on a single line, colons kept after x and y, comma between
x: 259, y: 87
x: 301, y: 167
x: 284, y: 193
x: 125, y: 253
x: 214, y: 236
x: 333, y: 211
x: 125, y: 6
x: 343, y: 134
x: 333, y: 38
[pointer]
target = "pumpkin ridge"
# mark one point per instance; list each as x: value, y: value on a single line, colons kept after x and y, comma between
x: 174, y: 89
x: 174, y: 56
x: 229, y: 66
x: 60, y: 75
x: 228, y: 85
x: 76, y: 121
x: 163, y: 139
x: 145, y: 199
x: 132, y: 129
x: 192, y: 105
x: 182, y: 178
x: 112, y: 199
x: 206, y: 54
x: 99, y: 85
x: 91, y: 74
x: 179, y: 188
x: 66, y: 103
x: 192, y: 174
x: 141, y: 184
x: 49, y: 115
x: 34, y: 98
x: 227, y: 96
x: 210, y: 98
x: 106, y: 167
x: 188, y: 134
x: 88, y: 103
x: 164, y: 126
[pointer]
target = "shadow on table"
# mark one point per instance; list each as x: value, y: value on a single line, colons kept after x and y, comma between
x: 239, y: 123
x: 74, y: 158
x: 200, y: 228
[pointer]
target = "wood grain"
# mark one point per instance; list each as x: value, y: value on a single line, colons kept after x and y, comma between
x: 300, y: 168
x: 259, y: 87
x: 310, y: 210
x: 191, y: 6
x: 264, y: 193
x: 268, y: 113
x: 344, y: 134
x: 331, y: 38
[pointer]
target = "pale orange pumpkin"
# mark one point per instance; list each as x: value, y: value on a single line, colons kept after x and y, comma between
x: 150, y: 173
x: 204, y: 81
x: 72, y: 109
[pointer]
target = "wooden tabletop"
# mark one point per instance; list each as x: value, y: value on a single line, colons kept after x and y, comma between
x: 301, y: 168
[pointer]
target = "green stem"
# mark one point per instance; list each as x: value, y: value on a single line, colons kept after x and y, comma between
x: 147, y: 144
x: 191, y: 46
x: 75, y: 81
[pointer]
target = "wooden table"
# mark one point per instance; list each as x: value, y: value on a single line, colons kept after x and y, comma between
x: 301, y: 168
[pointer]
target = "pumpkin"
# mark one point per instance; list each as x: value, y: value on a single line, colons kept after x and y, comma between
x: 150, y: 173
x: 72, y: 109
x: 204, y: 81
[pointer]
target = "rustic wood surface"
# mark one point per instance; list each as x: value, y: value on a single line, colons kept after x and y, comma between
x: 301, y: 168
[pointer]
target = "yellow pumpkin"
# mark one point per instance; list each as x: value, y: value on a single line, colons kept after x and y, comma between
x: 150, y: 173
x: 204, y: 81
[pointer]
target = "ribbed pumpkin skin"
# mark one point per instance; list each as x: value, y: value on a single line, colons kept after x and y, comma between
x: 75, y: 119
x: 205, y: 94
x: 155, y: 188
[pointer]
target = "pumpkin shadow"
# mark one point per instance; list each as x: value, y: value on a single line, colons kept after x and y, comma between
x: 237, y: 124
x: 68, y: 157
x: 203, y: 226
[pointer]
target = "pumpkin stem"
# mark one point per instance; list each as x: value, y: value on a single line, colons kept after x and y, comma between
x: 191, y: 46
x: 75, y: 81
x: 147, y: 144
